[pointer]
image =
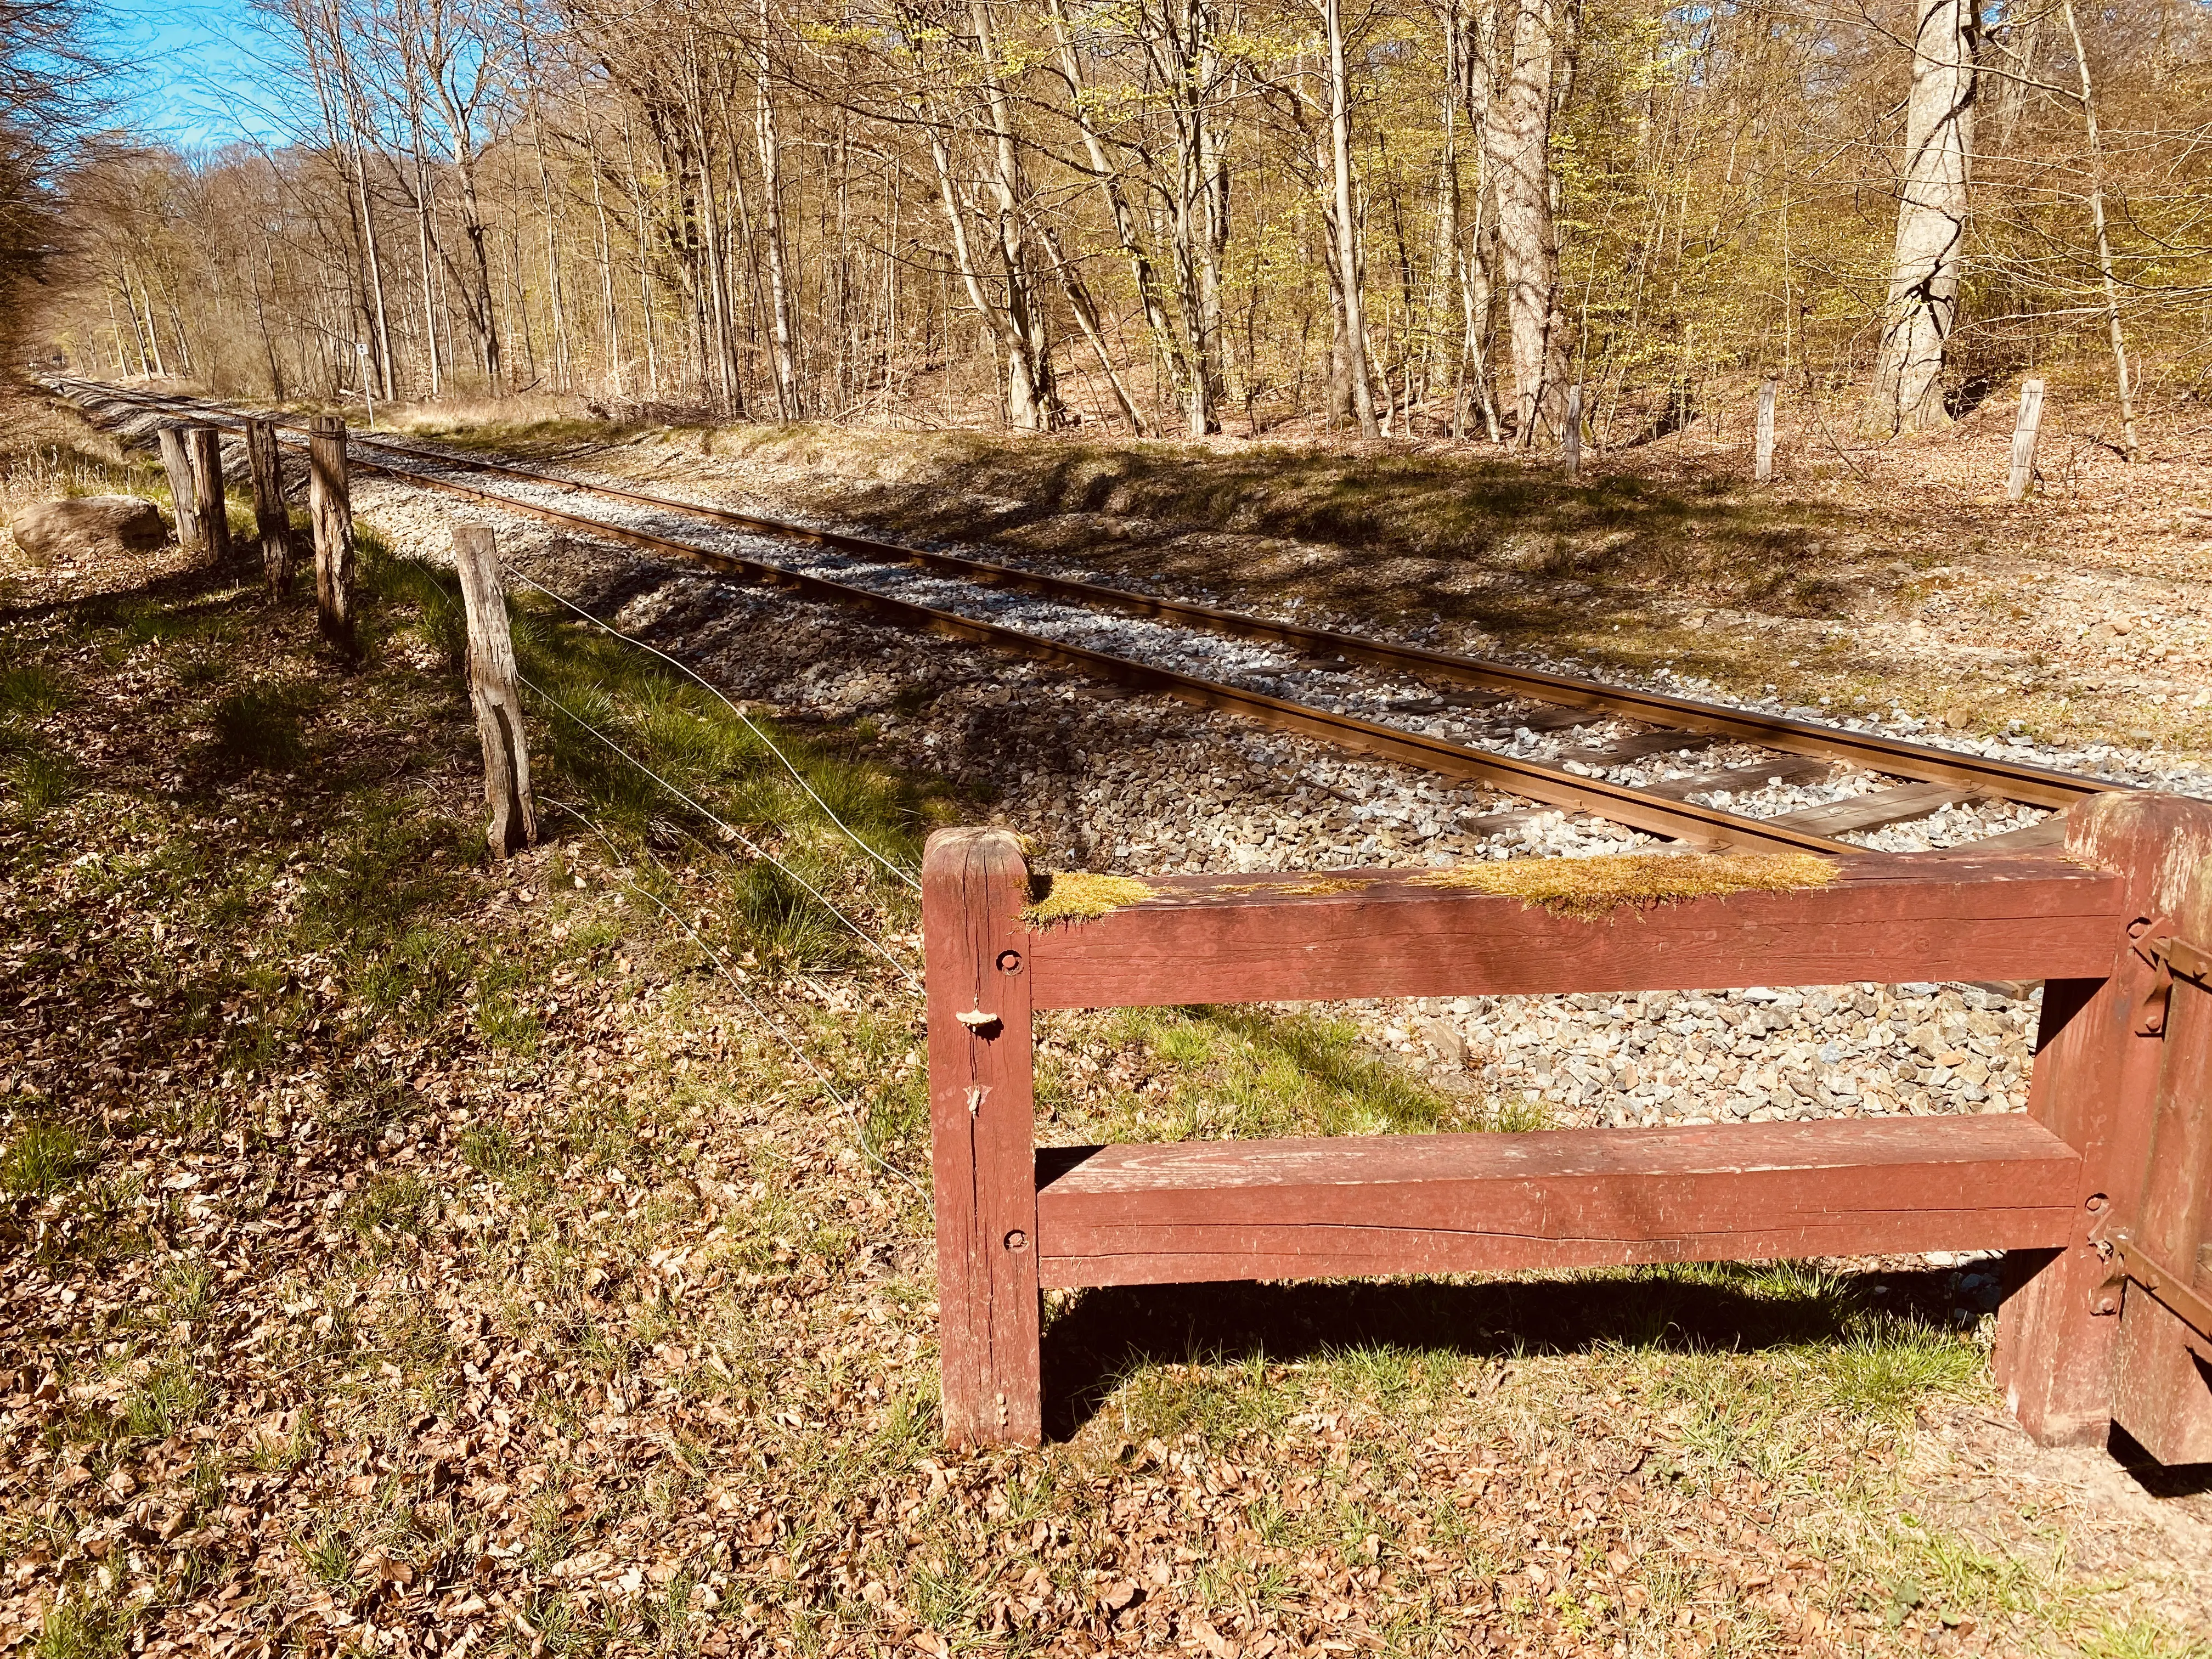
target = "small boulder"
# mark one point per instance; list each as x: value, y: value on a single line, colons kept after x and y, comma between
x: 87, y: 527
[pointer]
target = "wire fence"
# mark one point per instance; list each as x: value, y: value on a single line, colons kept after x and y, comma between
x: 903, y: 874
x: 779, y: 1030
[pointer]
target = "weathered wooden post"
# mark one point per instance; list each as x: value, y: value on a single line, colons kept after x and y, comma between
x: 209, y: 505
x: 982, y: 1122
x: 2162, y: 1387
x: 1762, y: 454
x: 271, y: 516
x: 330, y: 502
x: 184, y: 495
x: 492, y: 691
x: 2096, y: 1078
x: 1570, y: 440
x: 2023, y: 440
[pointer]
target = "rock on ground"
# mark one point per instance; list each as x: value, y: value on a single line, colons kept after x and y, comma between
x: 87, y: 527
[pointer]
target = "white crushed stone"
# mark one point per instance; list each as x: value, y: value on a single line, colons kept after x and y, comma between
x: 1148, y: 785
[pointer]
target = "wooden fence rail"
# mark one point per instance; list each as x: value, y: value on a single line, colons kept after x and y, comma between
x: 2058, y: 1185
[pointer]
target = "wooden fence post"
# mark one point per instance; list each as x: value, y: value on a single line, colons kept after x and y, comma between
x: 2023, y: 440
x: 330, y: 500
x: 2095, y: 1087
x: 2164, y: 1361
x: 271, y: 516
x: 184, y: 496
x: 492, y: 691
x: 1570, y: 440
x: 982, y: 1123
x: 209, y: 504
x: 1762, y: 454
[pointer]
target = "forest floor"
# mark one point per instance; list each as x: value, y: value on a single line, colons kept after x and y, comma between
x: 409, y: 1251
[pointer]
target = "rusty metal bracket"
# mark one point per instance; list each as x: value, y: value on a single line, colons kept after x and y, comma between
x: 2132, y: 1265
x: 2169, y: 957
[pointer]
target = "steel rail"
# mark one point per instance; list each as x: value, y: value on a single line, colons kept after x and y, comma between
x: 1705, y: 825
x: 2003, y: 779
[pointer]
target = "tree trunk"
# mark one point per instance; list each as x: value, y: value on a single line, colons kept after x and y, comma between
x: 1931, y: 222
x: 2104, y: 240
x: 781, y: 302
x: 1517, y: 142
x: 1352, y: 312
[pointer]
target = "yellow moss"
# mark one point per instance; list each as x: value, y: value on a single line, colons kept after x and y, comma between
x: 1588, y: 889
x: 1078, y: 896
x: 1321, y: 885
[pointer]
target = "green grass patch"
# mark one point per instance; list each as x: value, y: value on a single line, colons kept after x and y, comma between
x: 44, y: 1159
x: 259, y: 726
x: 30, y: 689
x: 1247, y: 1073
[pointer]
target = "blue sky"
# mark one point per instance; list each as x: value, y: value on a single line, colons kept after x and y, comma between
x: 188, y: 72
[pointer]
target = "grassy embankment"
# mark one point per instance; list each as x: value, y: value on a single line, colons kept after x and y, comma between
x: 400, y: 1239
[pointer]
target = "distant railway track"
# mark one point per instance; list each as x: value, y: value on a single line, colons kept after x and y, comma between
x: 1919, y: 779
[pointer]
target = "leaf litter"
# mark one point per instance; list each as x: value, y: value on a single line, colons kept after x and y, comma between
x: 407, y: 1255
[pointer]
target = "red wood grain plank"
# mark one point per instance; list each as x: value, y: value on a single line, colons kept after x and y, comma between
x: 983, y: 1126
x: 1426, y: 1204
x: 1229, y: 939
x: 2162, y: 1370
x: 2096, y: 1078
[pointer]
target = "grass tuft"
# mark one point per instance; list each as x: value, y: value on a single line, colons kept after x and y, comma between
x: 259, y: 725
x: 43, y: 1159
x: 1588, y: 890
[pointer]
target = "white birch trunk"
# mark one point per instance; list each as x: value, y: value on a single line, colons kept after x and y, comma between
x: 1931, y: 222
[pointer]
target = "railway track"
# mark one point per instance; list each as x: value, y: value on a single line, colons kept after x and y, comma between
x: 1489, y: 699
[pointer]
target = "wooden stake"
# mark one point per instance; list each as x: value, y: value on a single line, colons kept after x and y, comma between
x: 2023, y: 440
x: 177, y: 460
x: 2095, y: 1087
x: 270, y: 515
x: 982, y: 1121
x: 492, y: 689
x: 209, y: 505
x: 330, y: 500
x: 1570, y: 440
x: 1762, y: 458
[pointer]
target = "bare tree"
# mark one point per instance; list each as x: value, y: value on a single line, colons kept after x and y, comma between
x: 1932, y: 206
x: 1518, y: 142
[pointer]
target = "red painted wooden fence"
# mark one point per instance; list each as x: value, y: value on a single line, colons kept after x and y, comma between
x: 2099, y: 1189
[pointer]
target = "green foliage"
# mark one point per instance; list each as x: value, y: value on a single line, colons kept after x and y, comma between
x: 1248, y: 1074
x: 44, y: 1159
x: 165, y: 1401
x: 259, y: 724
x: 29, y: 688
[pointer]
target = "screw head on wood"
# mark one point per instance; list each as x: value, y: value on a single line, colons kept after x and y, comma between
x: 1018, y: 1240
x: 1010, y: 962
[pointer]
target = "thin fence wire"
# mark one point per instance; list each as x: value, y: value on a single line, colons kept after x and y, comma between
x: 798, y: 1049
x: 731, y: 830
x: 767, y: 742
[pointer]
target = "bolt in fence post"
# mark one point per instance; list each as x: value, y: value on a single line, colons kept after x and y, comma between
x: 330, y: 500
x: 1762, y: 456
x: 2095, y: 1087
x: 271, y: 516
x: 182, y: 496
x: 492, y: 691
x: 209, y: 505
x: 2023, y: 440
x: 1570, y: 440
x: 982, y: 1122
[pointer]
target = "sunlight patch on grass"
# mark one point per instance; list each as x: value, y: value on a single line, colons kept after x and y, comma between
x: 44, y: 1158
